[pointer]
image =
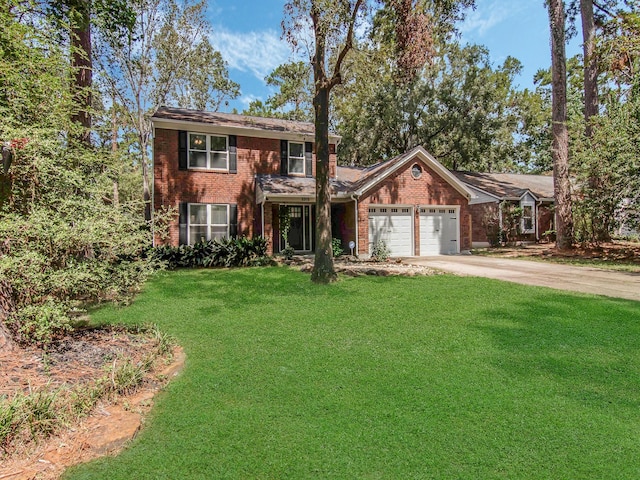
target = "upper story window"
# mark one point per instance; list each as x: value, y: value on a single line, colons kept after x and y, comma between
x: 296, y: 159
x: 208, y: 151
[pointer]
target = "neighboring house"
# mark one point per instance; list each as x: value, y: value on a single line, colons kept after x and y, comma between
x: 533, y: 193
x: 231, y: 175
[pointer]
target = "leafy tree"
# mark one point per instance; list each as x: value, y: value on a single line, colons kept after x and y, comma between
x: 76, y: 18
x: 612, y: 154
x: 458, y: 107
x: 293, y: 97
x: 62, y: 244
x: 167, y: 60
x: 605, y: 157
x: 560, y: 144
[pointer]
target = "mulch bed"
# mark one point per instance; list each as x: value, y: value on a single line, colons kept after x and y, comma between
x: 78, y: 358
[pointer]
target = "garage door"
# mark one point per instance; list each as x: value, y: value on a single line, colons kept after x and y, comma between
x: 394, y: 226
x: 438, y: 231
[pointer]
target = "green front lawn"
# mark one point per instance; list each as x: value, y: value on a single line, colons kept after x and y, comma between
x: 385, y: 378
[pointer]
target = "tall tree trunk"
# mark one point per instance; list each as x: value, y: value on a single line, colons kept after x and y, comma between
x: 323, y: 268
x: 81, y: 64
x: 6, y: 309
x: 590, y: 64
x: 560, y: 147
x: 599, y: 230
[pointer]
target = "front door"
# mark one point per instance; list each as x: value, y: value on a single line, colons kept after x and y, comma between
x: 301, y: 227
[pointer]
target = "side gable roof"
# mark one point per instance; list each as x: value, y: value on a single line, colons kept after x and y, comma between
x: 509, y: 186
x: 235, y: 123
x: 378, y: 173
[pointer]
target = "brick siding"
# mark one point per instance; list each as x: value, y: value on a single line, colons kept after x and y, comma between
x: 173, y: 186
x: 402, y: 189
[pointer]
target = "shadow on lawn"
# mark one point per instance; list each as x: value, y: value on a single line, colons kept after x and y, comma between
x: 588, y: 348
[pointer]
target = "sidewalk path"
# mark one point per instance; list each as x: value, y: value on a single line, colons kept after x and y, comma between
x: 564, y: 277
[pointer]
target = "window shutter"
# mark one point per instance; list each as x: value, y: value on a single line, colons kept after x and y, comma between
x: 182, y: 150
x: 308, y: 158
x: 233, y: 220
x: 183, y: 223
x: 233, y: 154
x: 284, y: 157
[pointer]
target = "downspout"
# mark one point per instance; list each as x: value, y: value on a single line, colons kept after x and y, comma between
x: 535, y: 218
x: 262, y: 217
x: 500, y: 219
x: 354, y: 197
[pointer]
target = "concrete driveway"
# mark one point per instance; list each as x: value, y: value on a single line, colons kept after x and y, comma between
x: 562, y: 277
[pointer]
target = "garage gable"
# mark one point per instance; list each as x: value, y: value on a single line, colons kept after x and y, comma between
x: 418, y: 154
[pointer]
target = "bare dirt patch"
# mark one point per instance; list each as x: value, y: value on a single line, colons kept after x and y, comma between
x: 78, y: 360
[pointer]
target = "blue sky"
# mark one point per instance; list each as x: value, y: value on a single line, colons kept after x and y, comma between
x: 247, y: 33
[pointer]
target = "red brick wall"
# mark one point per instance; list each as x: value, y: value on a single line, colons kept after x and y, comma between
x: 402, y: 189
x: 478, y: 213
x: 545, y: 219
x: 172, y: 186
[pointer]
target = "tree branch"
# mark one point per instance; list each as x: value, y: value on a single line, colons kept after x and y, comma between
x: 604, y: 10
x: 336, y: 79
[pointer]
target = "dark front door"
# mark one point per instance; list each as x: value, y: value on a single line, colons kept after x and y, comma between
x: 296, y: 231
x: 301, y: 227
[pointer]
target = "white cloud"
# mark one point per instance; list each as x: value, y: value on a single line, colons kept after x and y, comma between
x: 248, y: 98
x: 484, y: 18
x: 255, y: 52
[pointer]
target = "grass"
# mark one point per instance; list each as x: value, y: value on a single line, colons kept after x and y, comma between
x: 385, y: 378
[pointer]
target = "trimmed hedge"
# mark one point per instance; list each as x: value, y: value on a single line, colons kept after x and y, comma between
x: 226, y: 252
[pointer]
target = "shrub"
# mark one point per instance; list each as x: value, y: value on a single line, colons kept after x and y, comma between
x: 226, y: 252
x: 288, y: 252
x: 336, y: 246
x: 380, y: 251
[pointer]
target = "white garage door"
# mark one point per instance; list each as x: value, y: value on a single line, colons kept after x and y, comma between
x: 394, y: 226
x: 438, y: 231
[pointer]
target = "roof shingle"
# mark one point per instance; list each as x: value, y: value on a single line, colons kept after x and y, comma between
x: 233, y: 120
x: 509, y: 185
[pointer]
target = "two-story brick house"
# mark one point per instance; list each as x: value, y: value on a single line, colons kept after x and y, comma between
x: 230, y: 175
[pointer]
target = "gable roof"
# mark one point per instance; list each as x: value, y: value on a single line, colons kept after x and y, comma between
x: 232, y: 122
x: 509, y: 186
x: 379, y: 172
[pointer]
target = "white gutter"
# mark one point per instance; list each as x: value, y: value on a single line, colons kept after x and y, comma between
x: 354, y: 197
x: 537, y: 204
x: 262, y: 218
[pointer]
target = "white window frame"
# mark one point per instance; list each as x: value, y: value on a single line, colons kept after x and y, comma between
x: 289, y: 157
x: 208, y: 224
x: 523, y: 205
x: 208, y: 151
